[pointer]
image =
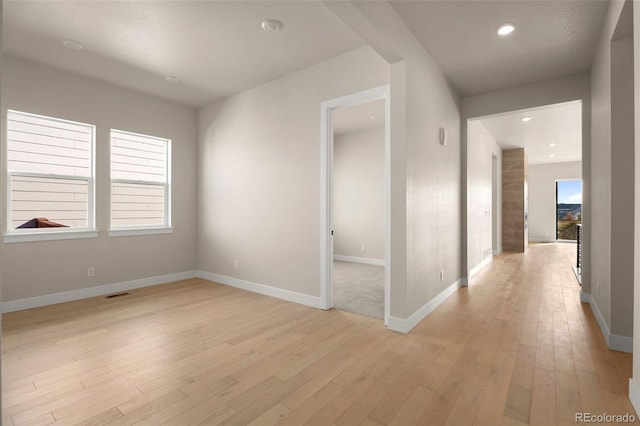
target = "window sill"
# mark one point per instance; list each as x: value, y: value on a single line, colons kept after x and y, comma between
x: 128, y: 232
x: 23, y: 237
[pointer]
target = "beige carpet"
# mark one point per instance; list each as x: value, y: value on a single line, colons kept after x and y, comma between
x: 358, y: 288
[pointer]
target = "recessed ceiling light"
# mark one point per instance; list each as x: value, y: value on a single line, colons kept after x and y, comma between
x: 552, y: 144
x: 172, y: 79
x: 271, y: 25
x: 526, y: 118
x: 552, y: 155
x: 505, y: 29
x: 72, y: 44
x: 374, y: 117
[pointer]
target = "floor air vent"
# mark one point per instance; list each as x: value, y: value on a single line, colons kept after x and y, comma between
x: 117, y: 295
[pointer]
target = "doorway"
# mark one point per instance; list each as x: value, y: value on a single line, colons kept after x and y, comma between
x: 568, y: 209
x: 349, y: 256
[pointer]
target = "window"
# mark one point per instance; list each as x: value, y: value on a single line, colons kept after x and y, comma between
x: 568, y: 209
x: 140, y: 184
x: 50, y: 178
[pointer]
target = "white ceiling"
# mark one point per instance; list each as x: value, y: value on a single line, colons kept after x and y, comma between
x: 552, y: 39
x: 369, y: 115
x: 216, y: 48
x: 560, y: 124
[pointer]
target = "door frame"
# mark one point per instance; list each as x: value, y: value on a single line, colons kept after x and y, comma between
x: 326, y: 192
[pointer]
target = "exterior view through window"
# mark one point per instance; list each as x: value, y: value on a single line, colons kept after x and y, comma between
x: 140, y: 180
x: 568, y: 209
x: 49, y: 173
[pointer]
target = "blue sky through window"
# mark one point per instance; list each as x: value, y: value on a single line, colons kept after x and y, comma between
x: 569, y: 192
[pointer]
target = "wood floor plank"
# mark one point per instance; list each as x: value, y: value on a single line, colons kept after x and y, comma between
x: 516, y: 347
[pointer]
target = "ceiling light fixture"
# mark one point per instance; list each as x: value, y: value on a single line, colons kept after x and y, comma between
x: 526, y: 118
x: 552, y: 155
x: 271, y: 25
x: 505, y: 29
x: 374, y: 117
x: 72, y: 44
x: 172, y: 79
x: 552, y: 144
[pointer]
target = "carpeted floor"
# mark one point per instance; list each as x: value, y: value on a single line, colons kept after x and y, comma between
x: 358, y: 288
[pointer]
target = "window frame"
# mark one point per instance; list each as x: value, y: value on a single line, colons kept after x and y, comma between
x: 151, y: 229
x: 47, y: 234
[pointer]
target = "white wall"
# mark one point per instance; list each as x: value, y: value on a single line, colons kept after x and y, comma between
x: 634, y: 384
x: 601, y: 165
x: 481, y: 148
x: 358, y: 194
x: 425, y: 176
x: 622, y: 183
x: 610, y: 299
x: 40, y: 268
x: 259, y: 174
x: 542, y: 196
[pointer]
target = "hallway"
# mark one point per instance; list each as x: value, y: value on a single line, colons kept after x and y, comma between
x: 514, y: 348
x: 521, y: 329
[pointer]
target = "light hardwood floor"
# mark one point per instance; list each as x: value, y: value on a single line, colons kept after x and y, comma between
x: 514, y: 348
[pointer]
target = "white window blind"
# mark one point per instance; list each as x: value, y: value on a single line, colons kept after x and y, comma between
x: 49, y: 171
x: 140, y: 181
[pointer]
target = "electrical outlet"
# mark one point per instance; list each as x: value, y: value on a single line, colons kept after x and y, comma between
x: 91, y: 271
x: 235, y: 264
x: 441, y: 275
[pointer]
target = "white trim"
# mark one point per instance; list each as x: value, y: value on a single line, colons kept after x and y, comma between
x: 84, y: 293
x: 355, y: 259
x: 126, y: 232
x: 49, y: 234
x: 497, y: 252
x: 480, y: 266
x: 406, y: 325
x: 613, y: 341
x: 621, y: 343
x: 547, y: 240
x: 634, y: 395
x: 541, y: 240
x: 585, y: 297
x: 326, y: 179
x: 279, y: 293
x: 166, y: 185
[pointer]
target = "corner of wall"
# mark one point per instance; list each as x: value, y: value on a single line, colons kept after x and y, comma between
x: 613, y: 341
x: 403, y: 325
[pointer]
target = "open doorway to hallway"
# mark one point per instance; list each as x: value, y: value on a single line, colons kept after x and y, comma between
x: 510, y: 200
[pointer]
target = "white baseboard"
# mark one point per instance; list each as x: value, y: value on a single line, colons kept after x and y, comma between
x: 585, y: 297
x: 279, y: 293
x: 406, y: 325
x: 634, y: 395
x: 354, y: 259
x: 84, y: 293
x: 614, y: 341
x: 541, y: 240
x: 497, y: 252
x: 480, y: 265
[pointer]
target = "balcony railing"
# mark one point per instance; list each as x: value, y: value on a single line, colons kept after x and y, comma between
x: 578, y: 267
